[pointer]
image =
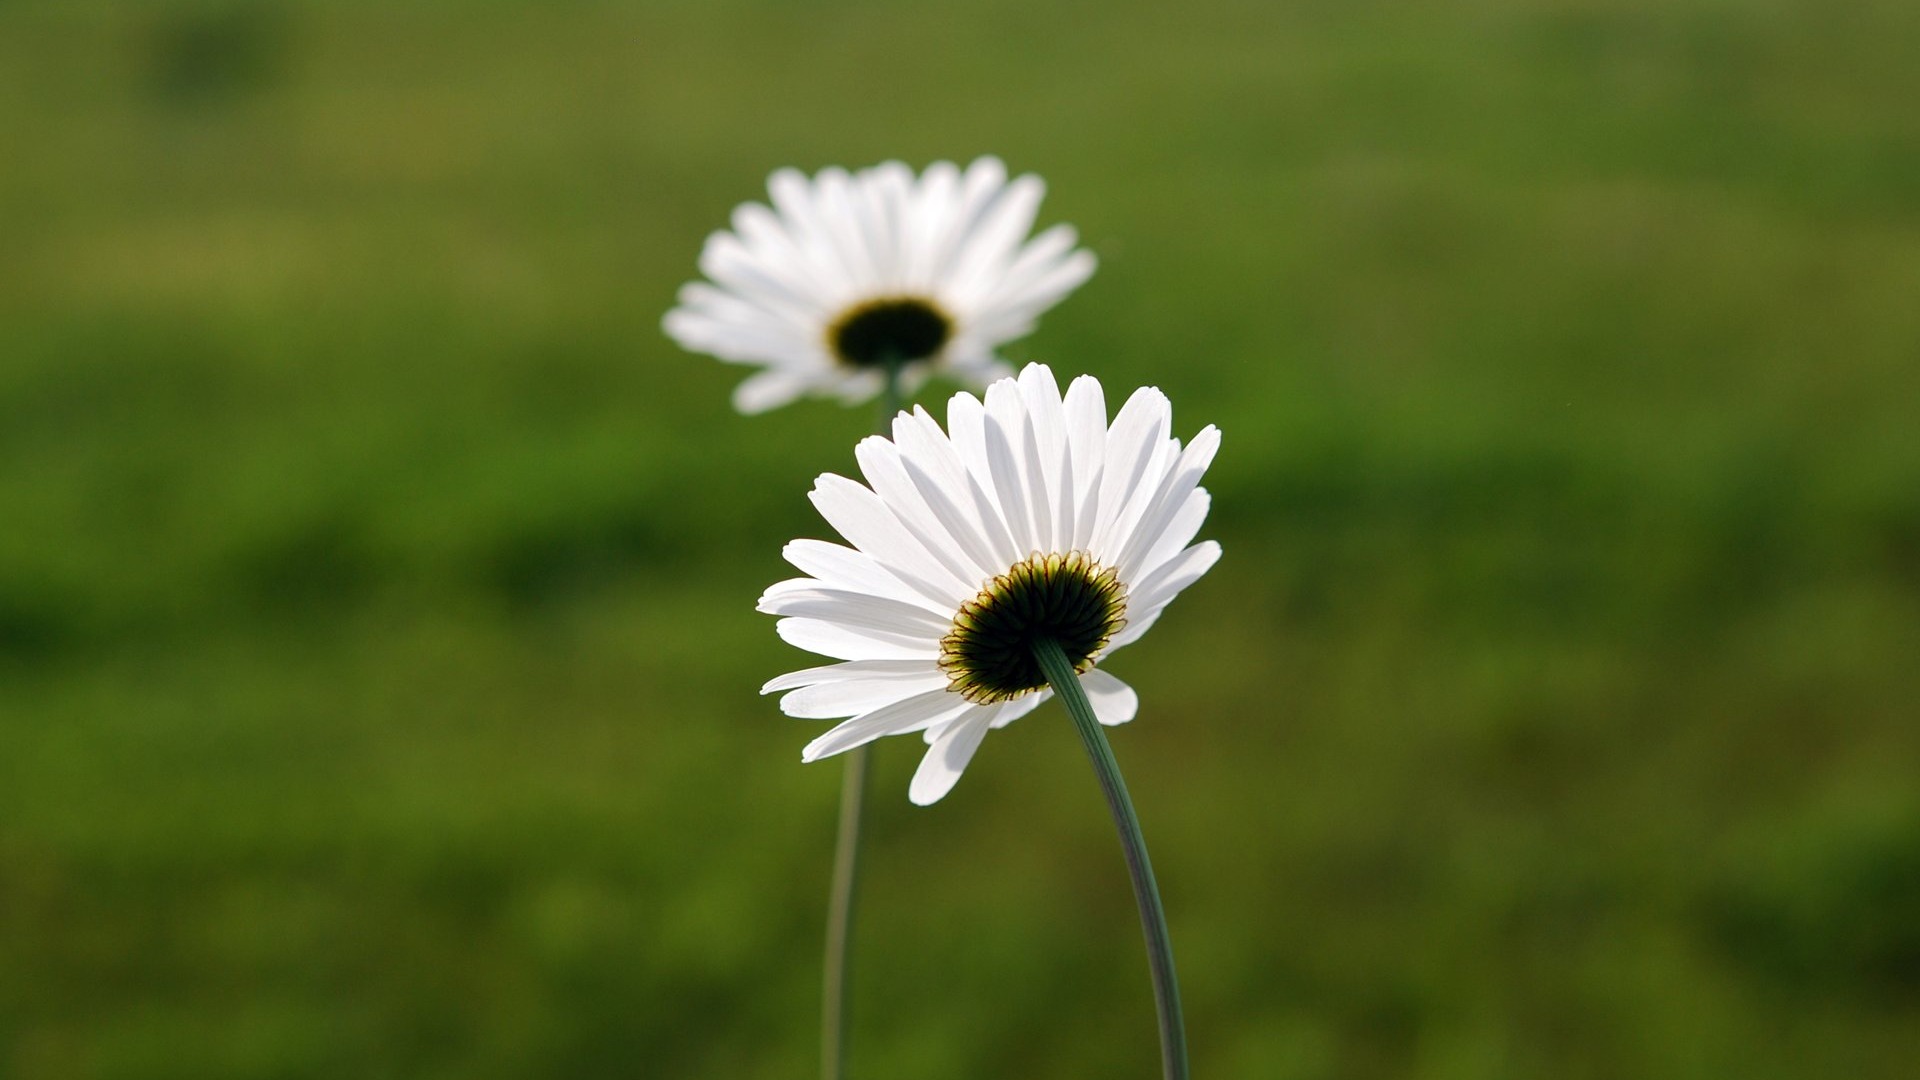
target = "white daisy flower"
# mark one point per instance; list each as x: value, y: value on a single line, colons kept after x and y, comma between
x: 847, y: 274
x: 1028, y: 517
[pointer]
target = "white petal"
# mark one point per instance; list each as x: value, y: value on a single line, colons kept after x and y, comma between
x: 1006, y: 438
x: 747, y: 336
x: 989, y: 247
x: 1114, y: 702
x: 780, y: 254
x: 849, y: 643
x: 1126, y: 520
x: 880, y: 463
x: 1047, y: 454
x: 967, y: 427
x: 792, y: 197
x: 767, y: 313
x: 979, y: 188
x: 767, y: 390
x: 1179, y: 572
x: 796, y: 200
x: 947, y: 758
x: 1040, y: 255
x: 1085, y: 409
x: 936, y: 472
x: 823, y: 701
x: 1137, y: 433
x: 1025, y: 290
x: 888, y: 186
x: 840, y: 225
x: 861, y: 611
x: 1178, y: 533
x: 1167, y: 501
x: 728, y: 261
x: 931, y: 213
x: 1040, y: 488
x: 841, y: 567
x: 1021, y: 706
x: 852, y: 669
x: 860, y: 516
x: 910, y: 714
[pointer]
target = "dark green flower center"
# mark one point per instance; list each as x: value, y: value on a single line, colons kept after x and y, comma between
x: 988, y: 655
x: 897, y: 329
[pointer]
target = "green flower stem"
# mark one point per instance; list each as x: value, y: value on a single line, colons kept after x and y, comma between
x: 837, y: 971
x: 890, y: 398
x: 840, y: 905
x: 1153, y: 917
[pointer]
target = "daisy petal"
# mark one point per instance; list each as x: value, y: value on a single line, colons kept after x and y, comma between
x: 1006, y: 437
x: 844, y: 568
x: 860, y: 516
x: 1125, y: 523
x: 769, y: 389
x: 1085, y: 409
x: 1179, y: 572
x: 937, y: 474
x: 880, y: 462
x: 1019, y: 707
x: 1158, y: 514
x: 1179, y: 532
x: 825, y: 701
x: 1138, y: 432
x: 1114, y: 702
x: 850, y: 643
x: 852, y: 669
x: 967, y: 426
x: 853, y: 609
x: 1046, y: 449
x: 911, y: 714
x: 988, y: 251
x: 948, y: 756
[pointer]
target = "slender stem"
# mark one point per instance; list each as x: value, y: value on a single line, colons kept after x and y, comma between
x: 846, y: 883
x: 890, y: 397
x: 1153, y: 918
x: 838, y: 969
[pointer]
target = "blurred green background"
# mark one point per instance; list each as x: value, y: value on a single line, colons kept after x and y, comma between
x: 377, y: 653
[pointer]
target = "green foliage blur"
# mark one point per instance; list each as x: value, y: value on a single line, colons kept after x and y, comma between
x: 377, y: 646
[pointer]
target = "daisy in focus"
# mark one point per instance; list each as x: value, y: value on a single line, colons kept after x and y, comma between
x: 1029, y: 518
x: 850, y: 276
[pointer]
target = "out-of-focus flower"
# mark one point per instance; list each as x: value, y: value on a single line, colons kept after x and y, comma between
x: 848, y: 274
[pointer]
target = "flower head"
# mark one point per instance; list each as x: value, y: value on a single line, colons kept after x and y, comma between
x: 1028, y: 517
x: 848, y: 274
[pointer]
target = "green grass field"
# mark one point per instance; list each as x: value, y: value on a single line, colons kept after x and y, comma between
x: 377, y: 644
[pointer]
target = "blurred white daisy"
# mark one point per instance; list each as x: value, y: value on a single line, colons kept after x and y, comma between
x: 848, y: 273
x: 1028, y: 517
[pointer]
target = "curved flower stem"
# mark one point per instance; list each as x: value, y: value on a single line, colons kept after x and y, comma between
x: 1153, y: 918
x: 837, y: 971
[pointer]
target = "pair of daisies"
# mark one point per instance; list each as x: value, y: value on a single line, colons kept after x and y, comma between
x: 1031, y: 515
